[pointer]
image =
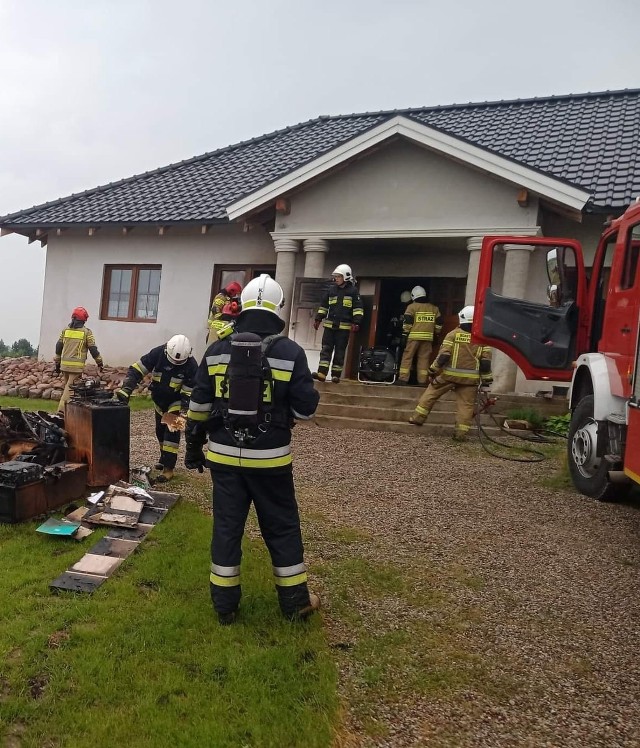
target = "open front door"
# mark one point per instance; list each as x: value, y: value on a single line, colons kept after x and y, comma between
x: 545, y: 327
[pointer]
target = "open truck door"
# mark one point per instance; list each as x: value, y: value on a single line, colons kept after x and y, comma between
x: 546, y: 326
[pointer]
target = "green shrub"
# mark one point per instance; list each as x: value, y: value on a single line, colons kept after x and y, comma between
x: 558, y: 424
x: 533, y: 416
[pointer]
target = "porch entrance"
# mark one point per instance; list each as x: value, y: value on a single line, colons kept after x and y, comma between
x: 383, y: 309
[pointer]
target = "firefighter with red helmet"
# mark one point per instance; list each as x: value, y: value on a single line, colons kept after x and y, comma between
x: 172, y: 369
x: 340, y: 314
x: 461, y: 366
x: 253, y: 465
x: 71, y: 352
x: 224, y: 309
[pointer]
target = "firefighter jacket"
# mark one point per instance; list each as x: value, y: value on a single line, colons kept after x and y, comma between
x: 460, y: 361
x: 290, y: 392
x: 171, y: 384
x: 217, y: 317
x: 422, y: 321
x: 72, y: 347
x: 341, y: 308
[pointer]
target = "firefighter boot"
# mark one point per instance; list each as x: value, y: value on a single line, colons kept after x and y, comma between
x: 226, y: 619
x: 303, y: 613
x: 335, y: 380
x: 165, y: 476
x: 319, y: 376
x: 417, y: 419
x: 459, y: 436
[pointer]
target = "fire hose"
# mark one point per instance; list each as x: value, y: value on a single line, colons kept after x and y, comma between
x: 484, y: 402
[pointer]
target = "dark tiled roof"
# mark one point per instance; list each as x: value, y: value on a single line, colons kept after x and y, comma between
x: 591, y: 140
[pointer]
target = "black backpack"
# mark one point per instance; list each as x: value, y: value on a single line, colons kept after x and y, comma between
x: 247, y: 381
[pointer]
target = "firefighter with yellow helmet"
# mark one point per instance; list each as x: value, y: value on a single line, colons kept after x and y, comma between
x: 421, y: 323
x: 70, y: 358
x: 461, y: 366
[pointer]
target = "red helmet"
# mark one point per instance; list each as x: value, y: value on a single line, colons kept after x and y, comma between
x: 234, y: 288
x: 80, y: 313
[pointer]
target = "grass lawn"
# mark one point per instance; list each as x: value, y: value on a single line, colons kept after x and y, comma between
x: 50, y: 406
x: 142, y: 662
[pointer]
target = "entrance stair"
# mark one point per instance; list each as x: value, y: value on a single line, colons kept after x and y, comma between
x: 384, y: 407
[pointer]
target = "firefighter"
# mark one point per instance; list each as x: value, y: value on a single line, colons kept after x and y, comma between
x: 340, y: 314
x: 461, y: 366
x: 172, y: 369
x: 258, y: 468
x: 224, y: 308
x: 422, y: 322
x: 71, y: 352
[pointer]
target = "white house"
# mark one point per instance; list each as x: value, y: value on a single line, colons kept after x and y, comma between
x: 404, y: 197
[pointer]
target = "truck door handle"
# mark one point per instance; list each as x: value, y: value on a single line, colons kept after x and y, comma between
x: 625, y: 330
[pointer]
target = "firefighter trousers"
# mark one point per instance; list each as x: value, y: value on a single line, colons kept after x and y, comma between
x: 169, y: 442
x: 334, y: 342
x: 274, y: 498
x: 69, y: 379
x: 465, y: 400
x: 421, y: 349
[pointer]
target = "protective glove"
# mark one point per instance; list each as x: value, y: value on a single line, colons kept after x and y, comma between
x: 485, y: 384
x: 194, y: 458
x: 57, y: 366
x: 316, y: 324
x: 122, y: 395
x: 355, y: 328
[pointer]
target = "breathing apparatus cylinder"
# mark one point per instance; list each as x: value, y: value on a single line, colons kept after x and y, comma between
x: 245, y: 381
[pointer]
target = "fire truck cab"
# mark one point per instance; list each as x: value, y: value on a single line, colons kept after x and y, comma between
x: 583, y: 328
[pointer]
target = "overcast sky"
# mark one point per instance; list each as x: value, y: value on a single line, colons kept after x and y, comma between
x: 96, y: 91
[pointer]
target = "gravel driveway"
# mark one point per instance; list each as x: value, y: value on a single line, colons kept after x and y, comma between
x: 545, y: 581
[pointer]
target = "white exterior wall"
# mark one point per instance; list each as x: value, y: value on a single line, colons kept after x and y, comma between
x: 75, y: 270
x: 405, y: 188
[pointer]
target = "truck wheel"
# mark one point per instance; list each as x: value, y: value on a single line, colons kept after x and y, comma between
x: 590, y: 473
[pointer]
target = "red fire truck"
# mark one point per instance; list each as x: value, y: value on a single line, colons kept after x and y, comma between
x: 580, y: 326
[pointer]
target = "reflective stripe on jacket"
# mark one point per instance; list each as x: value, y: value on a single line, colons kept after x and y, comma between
x: 458, y: 359
x: 341, y: 307
x: 171, y: 384
x: 290, y: 393
x: 422, y: 321
x: 75, y: 345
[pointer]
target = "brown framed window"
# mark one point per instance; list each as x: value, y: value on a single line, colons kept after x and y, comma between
x: 225, y: 274
x: 131, y: 293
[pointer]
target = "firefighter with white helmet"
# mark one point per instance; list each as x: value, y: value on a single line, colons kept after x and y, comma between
x: 253, y: 463
x: 421, y: 323
x: 340, y: 314
x: 172, y: 369
x: 70, y: 358
x: 461, y: 366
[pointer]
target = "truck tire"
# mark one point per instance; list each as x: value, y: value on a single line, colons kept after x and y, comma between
x: 589, y: 473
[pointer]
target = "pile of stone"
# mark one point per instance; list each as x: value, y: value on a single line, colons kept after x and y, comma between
x: 28, y: 377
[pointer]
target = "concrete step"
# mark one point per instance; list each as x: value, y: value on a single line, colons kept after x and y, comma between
x: 431, y: 428
x: 440, y: 414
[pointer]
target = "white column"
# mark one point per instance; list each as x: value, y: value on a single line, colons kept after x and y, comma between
x: 474, y: 245
x: 314, y: 252
x: 286, y: 251
x: 514, y: 285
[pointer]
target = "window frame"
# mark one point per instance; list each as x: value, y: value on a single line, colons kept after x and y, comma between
x: 251, y: 271
x: 133, y: 293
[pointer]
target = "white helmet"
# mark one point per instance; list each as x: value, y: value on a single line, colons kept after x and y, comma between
x: 466, y: 315
x: 344, y: 271
x: 417, y: 292
x: 262, y: 293
x: 405, y: 297
x: 178, y: 349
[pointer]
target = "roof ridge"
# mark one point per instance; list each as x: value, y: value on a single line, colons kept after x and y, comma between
x: 496, y: 103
